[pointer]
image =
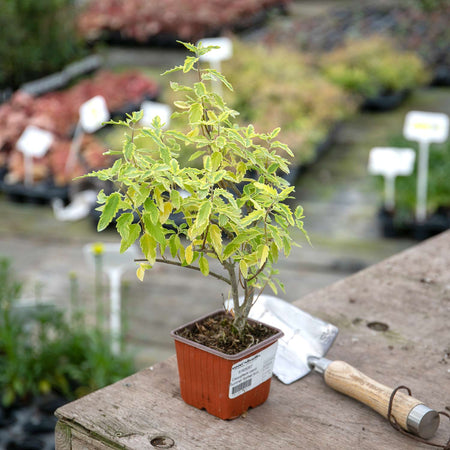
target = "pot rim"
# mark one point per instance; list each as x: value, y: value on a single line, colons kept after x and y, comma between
x: 235, y: 357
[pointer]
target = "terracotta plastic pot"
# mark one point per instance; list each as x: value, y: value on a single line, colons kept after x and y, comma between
x: 225, y: 385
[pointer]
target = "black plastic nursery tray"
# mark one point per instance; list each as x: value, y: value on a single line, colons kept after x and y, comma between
x: 385, y: 101
x: 392, y: 226
x: 38, y: 194
x: 30, y: 426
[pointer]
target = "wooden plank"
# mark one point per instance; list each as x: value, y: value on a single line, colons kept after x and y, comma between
x: 63, y: 438
x: 81, y: 441
x: 409, y: 292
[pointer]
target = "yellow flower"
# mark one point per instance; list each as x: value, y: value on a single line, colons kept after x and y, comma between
x: 98, y: 248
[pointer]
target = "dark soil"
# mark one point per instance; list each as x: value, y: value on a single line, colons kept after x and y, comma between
x: 217, y: 332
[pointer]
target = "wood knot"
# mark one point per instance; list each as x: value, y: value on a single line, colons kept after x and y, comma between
x: 378, y: 326
x: 162, y: 442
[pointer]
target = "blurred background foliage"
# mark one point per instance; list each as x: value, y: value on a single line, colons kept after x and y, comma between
x: 38, y: 38
x: 45, y: 350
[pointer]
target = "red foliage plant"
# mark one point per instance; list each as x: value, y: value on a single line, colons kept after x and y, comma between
x: 191, y: 20
x: 58, y: 112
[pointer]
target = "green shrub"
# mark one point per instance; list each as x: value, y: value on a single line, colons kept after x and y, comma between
x: 430, y: 5
x: 278, y: 87
x: 41, y: 352
x: 372, y: 66
x: 234, y: 212
x: 438, y: 193
x: 38, y: 38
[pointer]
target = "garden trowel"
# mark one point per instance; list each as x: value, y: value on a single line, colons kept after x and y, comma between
x: 302, y: 348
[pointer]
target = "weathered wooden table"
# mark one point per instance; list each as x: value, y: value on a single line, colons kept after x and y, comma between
x: 410, y: 293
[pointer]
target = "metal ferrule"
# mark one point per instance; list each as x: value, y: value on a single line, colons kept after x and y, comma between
x: 423, y: 421
x: 320, y: 365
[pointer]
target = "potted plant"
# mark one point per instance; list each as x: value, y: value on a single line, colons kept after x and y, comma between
x: 141, y: 21
x: 375, y: 71
x: 401, y: 221
x: 234, y: 212
x: 276, y: 85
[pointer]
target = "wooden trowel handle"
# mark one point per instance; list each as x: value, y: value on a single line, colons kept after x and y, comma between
x: 411, y: 414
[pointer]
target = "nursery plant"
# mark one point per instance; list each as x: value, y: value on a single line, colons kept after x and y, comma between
x: 373, y: 66
x: 416, y: 26
x: 38, y: 38
x: 58, y: 112
x: 231, y: 196
x: 438, y: 189
x: 42, y: 352
x: 142, y: 21
x: 278, y: 85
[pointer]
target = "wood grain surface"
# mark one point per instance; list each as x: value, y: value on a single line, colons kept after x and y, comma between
x: 409, y: 293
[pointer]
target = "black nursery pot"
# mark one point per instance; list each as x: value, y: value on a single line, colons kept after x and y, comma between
x: 385, y: 101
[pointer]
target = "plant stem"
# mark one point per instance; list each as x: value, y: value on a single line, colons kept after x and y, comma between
x: 176, y: 263
x: 240, y: 317
x: 76, y: 318
x: 99, y: 291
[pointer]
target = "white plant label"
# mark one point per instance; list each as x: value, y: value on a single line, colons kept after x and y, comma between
x: 426, y: 127
x: 93, y: 113
x: 225, y: 50
x: 114, y: 264
x: 34, y: 142
x: 153, y: 109
x: 252, y: 371
x: 391, y: 161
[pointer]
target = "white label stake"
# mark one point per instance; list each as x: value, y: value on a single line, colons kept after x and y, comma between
x: 75, y: 146
x: 153, y: 109
x: 391, y: 162
x: 425, y: 128
x: 114, y: 264
x: 33, y: 143
x: 93, y: 113
x: 217, y: 55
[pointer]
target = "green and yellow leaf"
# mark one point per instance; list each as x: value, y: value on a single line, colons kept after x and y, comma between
x: 109, y: 211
